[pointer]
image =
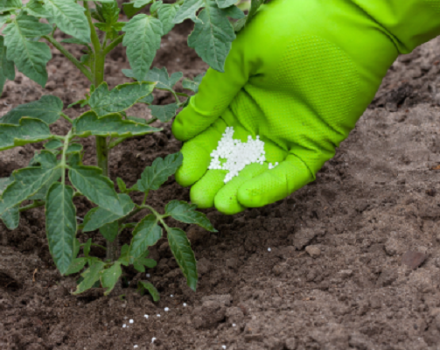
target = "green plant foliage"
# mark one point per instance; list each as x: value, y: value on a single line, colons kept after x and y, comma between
x: 155, y: 175
x: 69, y: 17
x: 164, y: 113
x: 184, y: 212
x: 61, y: 225
x: 56, y: 175
x: 145, y: 234
x: 241, y: 23
x: 98, y: 217
x: 7, y: 70
x: 192, y: 85
x: 181, y: 249
x: 29, y: 56
x: 147, y: 286
x: 142, y: 39
x: 122, y: 97
x: 109, y: 125
x: 48, y: 109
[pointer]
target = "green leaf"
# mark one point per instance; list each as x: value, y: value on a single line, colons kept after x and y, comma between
x: 110, y: 11
x: 42, y: 192
x: 185, y: 212
x: 76, y: 266
x: 110, y: 276
x: 131, y: 8
x: 61, y: 225
x: 212, y: 36
x: 122, y: 97
x: 30, y: 57
x: 225, y: 3
x: 47, y: 109
x: 7, y: 69
x: 96, y: 187
x: 36, y: 8
x: 74, y: 147
x: 86, y: 247
x: 8, y: 5
x: 192, y: 85
x: 142, y: 39
x: 121, y: 184
x: 146, y: 234
x: 5, y: 182
x: 166, y: 13
x: 110, y: 231
x: 188, y: 10
x: 124, y: 258
x: 11, y: 217
x: 147, y: 100
x: 69, y: 17
x: 162, y: 79
x: 91, y: 275
x: 155, y: 175
x: 181, y: 249
x: 53, y: 144
x: 109, y: 125
x: 140, y: 263
x: 164, y: 113
x: 143, y: 285
x: 28, y: 131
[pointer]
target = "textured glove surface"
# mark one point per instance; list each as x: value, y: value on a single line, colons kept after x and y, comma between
x: 300, y: 75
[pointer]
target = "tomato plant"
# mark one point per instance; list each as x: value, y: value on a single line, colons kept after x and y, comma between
x: 56, y: 174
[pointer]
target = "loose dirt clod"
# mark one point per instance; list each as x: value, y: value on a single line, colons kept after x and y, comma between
x: 313, y: 251
x: 413, y: 259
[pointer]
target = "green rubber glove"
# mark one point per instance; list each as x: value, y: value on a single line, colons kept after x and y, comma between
x: 299, y: 75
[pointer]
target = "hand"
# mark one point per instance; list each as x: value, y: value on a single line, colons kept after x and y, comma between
x: 299, y: 75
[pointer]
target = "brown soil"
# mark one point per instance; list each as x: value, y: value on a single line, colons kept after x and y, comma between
x: 354, y: 258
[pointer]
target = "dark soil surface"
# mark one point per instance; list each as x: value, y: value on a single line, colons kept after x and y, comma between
x: 351, y: 261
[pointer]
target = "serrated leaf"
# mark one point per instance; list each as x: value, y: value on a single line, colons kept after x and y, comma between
x: 131, y: 8
x: 28, y: 131
x: 146, y: 234
x: 11, y: 217
x: 8, y: 5
x: 162, y: 79
x: 140, y: 263
x: 110, y: 276
x: 192, y: 85
x: 225, y: 3
x: 30, y: 57
x: 110, y: 231
x: 142, y: 39
x: 122, y: 97
x: 53, y: 144
x: 47, y: 109
x: 7, y: 69
x: 76, y: 266
x: 181, y: 249
x: 121, y: 184
x: 69, y: 17
x: 241, y: 23
x: 155, y: 175
x: 74, y: 147
x: 164, y: 113
x: 90, y: 276
x: 143, y: 285
x: 109, y: 125
x: 61, y: 225
x: 166, y: 13
x: 188, y: 10
x: 96, y: 187
x: 110, y: 11
x: 5, y: 182
x: 35, y: 8
x: 185, y: 212
x: 86, y: 247
x: 42, y: 192
x: 212, y: 36
x: 124, y: 258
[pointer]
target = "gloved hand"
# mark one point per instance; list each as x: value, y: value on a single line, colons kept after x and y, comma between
x: 299, y: 75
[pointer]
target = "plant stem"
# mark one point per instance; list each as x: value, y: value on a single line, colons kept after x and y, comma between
x: 101, y: 141
x: 66, y: 117
x: 69, y: 56
x: 113, y: 44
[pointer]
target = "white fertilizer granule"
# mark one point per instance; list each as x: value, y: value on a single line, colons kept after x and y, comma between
x: 236, y: 154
